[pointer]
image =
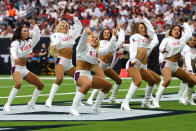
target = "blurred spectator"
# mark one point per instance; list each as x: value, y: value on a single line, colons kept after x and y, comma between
x: 159, y: 24
x: 93, y: 23
x: 62, y: 4
x: 22, y: 12
x: 85, y: 21
x: 107, y: 12
x: 43, y: 53
x: 6, y: 31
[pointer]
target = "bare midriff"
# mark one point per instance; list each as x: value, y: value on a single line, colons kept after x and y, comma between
x: 66, y: 52
x: 21, y: 61
x: 106, y: 58
x: 173, y: 58
x: 142, y: 55
x: 83, y: 65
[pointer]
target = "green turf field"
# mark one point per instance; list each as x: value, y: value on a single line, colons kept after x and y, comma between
x: 176, y: 122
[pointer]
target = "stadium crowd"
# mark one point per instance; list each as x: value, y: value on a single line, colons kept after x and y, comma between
x: 97, y: 14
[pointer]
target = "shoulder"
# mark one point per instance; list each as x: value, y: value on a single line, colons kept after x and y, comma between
x: 186, y: 48
x: 167, y: 38
x: 54, y: 35
x: 16, y: 42
x: 134, y: 38
x: 136, y: 35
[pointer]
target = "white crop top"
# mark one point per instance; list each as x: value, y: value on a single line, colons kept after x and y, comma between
x: 174, y: 46
x: 86, y: 52
x: 62, y: 40
x: 22, y: 49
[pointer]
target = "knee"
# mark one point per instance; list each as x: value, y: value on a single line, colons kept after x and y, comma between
x: 138, y: 83
x: 167, y: 80
x: 151, y: 83
x: 59, y: 81
x: 86, y: 87
x: 107, y: 88
x: 40, y: 86
x: 157, y: 81
x: 191, y: 83
x: 118, y: 82
x: 18, y: 85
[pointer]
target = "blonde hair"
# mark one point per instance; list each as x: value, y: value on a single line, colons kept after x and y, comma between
x: 58, y: 27
x: 167, y: 33
x: 97, y: 48
x: 52, y: 51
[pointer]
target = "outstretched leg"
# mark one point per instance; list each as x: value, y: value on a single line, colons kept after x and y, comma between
x: 114, y: 76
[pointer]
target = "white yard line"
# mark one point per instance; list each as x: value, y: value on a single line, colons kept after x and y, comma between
x: 69, y: 78
x: 72, y: 93
x: 31, y: 85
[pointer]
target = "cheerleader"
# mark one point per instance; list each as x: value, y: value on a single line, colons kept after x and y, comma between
x: 171, y: 48
x: 189, y: 56
x: 87, y: 53
x: 20, y: 49
x: 62, y: 42
x: 141, y: 44
x: 105, y: 60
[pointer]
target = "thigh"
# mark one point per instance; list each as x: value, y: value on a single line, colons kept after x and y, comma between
x: 59, y: 71
x: 17, y: 77
x: 156, y: 77
x: 71, y: 71
x: 99, y: 83
x: 146, y: 76
x: 167, y: 75
x: 33, y: 79
x: 98, y: 71
x: 82, y: 80
x: 183, y: 75
x: 135, y: 74
x: 84, y: 83
x: 112, y: 74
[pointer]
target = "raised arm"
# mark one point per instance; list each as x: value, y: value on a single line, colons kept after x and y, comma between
x: 77, y: 28
x: 82, y: 45
x: 36, y: 36
x: 150, y: 28
x: 108, y: 48
x: 121, y: 39
x: 187, y: 33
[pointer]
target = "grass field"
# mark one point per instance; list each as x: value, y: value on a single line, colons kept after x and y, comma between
x: 176, y: 122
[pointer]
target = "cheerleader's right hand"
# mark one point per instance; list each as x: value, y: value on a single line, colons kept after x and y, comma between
x: 165, y: 51
x: 88, y: 31
x: 134, y: 62
x: 114, y: 32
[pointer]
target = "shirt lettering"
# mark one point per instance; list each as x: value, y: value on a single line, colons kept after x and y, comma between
x: 66, y: 38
